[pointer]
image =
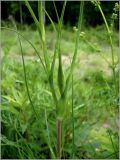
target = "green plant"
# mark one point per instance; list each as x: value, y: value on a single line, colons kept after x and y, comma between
x: 110, y: 29
x: 35, y: 136
x: 109, y: 32
x: 61, y: 102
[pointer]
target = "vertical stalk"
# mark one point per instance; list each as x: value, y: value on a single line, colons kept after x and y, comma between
x: 59, y: 138
x: 73, y: 128
x: 111, y: 45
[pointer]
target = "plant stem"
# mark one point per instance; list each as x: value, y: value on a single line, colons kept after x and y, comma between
x: 112, y: 51
x: 73, y: 133
x: 59, y: 137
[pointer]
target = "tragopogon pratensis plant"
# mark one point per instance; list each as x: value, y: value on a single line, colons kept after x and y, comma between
x: 60, y: 100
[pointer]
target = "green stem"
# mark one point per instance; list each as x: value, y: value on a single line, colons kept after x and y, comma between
x: 59, y: 138
x: 73, y: 133
x: 111, y: 44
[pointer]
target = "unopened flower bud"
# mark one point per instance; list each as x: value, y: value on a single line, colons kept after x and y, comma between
x: 75, y: 29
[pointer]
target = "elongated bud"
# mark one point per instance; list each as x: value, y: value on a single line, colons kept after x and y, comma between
x: 60, y: 78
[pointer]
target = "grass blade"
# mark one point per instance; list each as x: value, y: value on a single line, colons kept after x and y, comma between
x: 29, y: 43
x: 57, y: 50
x: 60, y: 69
x: 33, y: 16
x: 73, y: 128
x: 50, y: 20
x: 25, y: 77
x: 41, y: 30
x: 24, y: 70
x: 76, y: 47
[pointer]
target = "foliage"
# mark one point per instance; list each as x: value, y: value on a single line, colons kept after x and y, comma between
x: 29, y: 115
x: 26, y: 136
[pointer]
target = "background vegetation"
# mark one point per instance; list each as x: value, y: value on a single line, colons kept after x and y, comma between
x: 21, y: 14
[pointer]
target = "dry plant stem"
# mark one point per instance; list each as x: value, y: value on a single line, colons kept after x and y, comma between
x: 59, y: 137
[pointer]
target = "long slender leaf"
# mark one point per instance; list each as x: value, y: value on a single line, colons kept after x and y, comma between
x: 24, y: 69
x: 33, y: 16
x: 25, y: 77
x: 60, y: 69
x: 50, y: 20
x: 30, y: 44
x: 41, y: 30
x: 57, y: 50
x: 56, y: 10
x: 27, y: 88
x: 76, y: 46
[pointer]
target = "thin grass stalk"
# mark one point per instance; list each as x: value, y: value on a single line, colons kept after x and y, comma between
x: 111, y: 44
x: 73, y: 128
x: 54, y: 28
x: 24, y: 70
x: 98, y: 52
x: 56, y: 10
x: 25, y: 77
